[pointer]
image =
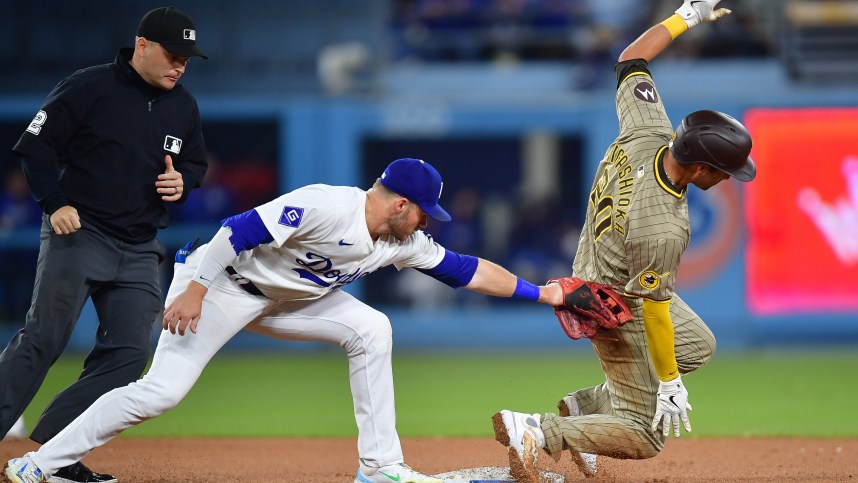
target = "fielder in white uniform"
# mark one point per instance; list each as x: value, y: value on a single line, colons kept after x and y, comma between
x: 276, y: 270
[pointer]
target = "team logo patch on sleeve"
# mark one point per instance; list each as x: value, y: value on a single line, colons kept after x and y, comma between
x: 646, y: 92
x: 291, y: 216
x: 650, y: 280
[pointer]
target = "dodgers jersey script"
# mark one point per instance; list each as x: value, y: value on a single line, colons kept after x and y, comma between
x: 321, y: 243
x: 637, y: 223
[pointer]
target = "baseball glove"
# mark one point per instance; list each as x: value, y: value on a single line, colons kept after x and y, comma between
x: 588, y: 307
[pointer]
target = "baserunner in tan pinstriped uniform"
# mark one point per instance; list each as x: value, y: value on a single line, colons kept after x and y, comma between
x: 636, y: 230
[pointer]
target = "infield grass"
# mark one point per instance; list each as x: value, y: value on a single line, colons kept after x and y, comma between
x: 777, y: 394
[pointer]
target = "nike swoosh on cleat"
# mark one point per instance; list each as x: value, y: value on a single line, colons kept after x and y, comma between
x: 392, y: 477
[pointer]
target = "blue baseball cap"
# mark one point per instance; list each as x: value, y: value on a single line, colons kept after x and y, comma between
x: 418, y: 181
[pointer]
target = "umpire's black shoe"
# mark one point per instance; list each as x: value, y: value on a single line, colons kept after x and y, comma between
x: 78, y: 473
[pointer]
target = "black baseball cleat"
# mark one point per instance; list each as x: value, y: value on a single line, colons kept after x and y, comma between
x: 79, y: 473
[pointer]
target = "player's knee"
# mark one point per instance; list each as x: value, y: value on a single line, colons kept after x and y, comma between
x: 375, y: 334
x: 41, y: 337
x: 704, y: 349
x: 641, y: 443
x: 640, y: 448
x: 155, y: 397
x: 652, y: 449
x: 707, y: 354
x: 648, y: 444
x: 707, y: 344
x: 156, y: 405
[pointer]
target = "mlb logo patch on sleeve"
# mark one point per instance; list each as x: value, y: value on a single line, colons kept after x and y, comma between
x: 291, y: 216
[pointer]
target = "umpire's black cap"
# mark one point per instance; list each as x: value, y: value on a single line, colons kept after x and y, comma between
x: 173, y: 29
x: 716, y: 139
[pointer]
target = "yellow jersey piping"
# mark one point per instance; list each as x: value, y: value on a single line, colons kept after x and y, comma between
x: 664, y: 185
x: 634, y: 74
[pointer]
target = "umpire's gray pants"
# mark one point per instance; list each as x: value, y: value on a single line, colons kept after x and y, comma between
x: 123, y: 281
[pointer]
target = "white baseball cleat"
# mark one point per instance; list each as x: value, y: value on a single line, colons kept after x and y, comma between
x: 23, y: 470
x: 399, y: 473
x: 521, y: 432
x: 18, y: 430
x: 586, y: 462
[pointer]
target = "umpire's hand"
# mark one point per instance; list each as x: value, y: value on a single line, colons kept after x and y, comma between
x: 170, y: 184
x: 65, y: 220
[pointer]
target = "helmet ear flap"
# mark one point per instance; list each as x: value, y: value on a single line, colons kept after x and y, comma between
x: 683, y: 148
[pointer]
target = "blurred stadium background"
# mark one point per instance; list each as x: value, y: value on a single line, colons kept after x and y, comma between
x: 513, y: 101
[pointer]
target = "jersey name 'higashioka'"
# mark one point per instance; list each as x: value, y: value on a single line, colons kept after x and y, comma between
x: 637, y: 223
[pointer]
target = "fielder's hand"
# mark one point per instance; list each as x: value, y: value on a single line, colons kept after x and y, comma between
x: 671, y: 406
x: 184, y: 311
x: 700, y: 11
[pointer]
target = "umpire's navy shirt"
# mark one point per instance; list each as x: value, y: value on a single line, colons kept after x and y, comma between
x: 98, y: 144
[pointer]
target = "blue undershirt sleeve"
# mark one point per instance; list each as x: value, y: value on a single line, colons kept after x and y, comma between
x: 454, y: 270
x: 248, y: 231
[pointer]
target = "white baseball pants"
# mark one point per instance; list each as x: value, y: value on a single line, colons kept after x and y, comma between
x: 338, y: 318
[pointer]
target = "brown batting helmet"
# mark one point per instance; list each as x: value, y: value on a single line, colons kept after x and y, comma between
x: 716, y: 139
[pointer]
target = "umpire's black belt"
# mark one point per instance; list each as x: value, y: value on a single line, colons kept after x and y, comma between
x: 242, y: 282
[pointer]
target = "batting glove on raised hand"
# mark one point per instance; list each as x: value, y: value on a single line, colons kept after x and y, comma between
x: 700, y: 11
x: 671, y: 406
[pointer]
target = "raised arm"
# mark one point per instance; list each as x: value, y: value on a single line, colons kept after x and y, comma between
x: 658, y: 37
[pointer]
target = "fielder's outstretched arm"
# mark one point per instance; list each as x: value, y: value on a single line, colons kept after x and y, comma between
x: 492, y: 279
x: 489, y: 278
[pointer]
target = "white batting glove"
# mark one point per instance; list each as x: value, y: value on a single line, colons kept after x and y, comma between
x: 700, y: 11
x: 671, y: 406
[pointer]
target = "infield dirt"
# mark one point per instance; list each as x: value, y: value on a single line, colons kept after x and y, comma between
x: 138, y: 460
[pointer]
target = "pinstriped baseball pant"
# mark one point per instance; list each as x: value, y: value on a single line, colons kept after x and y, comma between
x: 617, y: 414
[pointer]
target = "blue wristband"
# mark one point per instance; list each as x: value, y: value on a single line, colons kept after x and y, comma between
x: 526, y: 290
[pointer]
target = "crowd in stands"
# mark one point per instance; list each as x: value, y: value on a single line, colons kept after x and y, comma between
x: 589, y: 33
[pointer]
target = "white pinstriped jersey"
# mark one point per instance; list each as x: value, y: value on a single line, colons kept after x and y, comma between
x: 321, y: 243
x: 637, y: 222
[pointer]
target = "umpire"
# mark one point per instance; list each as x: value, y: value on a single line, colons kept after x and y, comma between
x: 110, y: 147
